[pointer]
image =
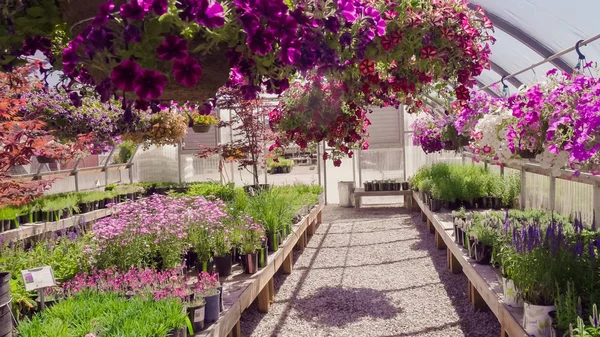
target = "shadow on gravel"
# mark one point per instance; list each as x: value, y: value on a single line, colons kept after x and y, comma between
x: 337, y: 306
x: 472, y: 323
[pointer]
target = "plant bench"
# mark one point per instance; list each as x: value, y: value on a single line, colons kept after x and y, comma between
x: 360, y: 192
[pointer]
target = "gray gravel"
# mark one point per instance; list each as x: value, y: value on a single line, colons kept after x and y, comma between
x: 373, y: 272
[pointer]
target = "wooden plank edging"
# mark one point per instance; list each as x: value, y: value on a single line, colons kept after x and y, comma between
x: 484, y: 279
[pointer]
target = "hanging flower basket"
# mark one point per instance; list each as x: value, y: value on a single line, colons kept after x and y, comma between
x: 212, y: 65
x: 528, y: 154
x: 201, y: 128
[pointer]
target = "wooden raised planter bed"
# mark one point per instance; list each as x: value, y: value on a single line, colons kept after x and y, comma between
x: 240, y: 290
x: 485, y: 283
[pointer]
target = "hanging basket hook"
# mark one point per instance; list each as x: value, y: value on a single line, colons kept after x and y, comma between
x: 581, y: 56
x: 502, y: 81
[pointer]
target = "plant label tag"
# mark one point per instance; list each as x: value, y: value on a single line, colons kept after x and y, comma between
x: 199, y: 315
x: 37, y: 278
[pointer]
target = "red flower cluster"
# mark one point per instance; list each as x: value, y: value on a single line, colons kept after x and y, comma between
x: 319, y: 111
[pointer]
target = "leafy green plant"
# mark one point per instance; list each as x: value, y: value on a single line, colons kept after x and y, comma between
x: 224, y: 192
x: 272, y: 209
x: 566, y: 306
x: 106, y: 314
x: 126, y: 150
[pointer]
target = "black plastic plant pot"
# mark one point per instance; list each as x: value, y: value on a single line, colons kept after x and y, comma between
x: 483, y: 253
x: 44, y: 160
x: 6, y: 322
x: 235, y: 255
x: 436, y: 205
x: 4, y: 287
x: 497, y: 203
x: 220, y: 298
x: 458, y: 235
x: 273, y: 241
x: 223, y: 265
x: 212, y: 308
x: 367, y: 187
x: 405, y: 186
x: 471, y: 247
x: 250, y: 263
x: 196, y: 316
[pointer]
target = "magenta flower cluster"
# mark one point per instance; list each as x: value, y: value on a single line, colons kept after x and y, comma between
x: 172, y: 283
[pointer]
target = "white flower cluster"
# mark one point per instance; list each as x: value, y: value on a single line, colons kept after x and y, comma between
x: 490, y: 134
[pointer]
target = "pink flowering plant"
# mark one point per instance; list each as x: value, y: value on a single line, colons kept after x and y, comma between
x: 151, y: 232
x: 427, y: 132
x: 148, y: 283
x: 253, y: 236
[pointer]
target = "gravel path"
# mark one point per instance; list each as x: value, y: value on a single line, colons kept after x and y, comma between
x: 370, y: 273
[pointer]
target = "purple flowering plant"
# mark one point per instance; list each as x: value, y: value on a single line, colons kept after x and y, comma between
x: 543, y: 255
x: 148, y: 50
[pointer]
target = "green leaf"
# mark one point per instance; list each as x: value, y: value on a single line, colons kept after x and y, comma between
x: 35, y: 12
x: 153, y: 27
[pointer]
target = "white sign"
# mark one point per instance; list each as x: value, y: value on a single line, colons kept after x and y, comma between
x: 38, y: 278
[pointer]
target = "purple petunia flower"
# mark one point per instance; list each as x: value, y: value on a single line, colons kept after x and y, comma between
x: 132, y: 10
x: 150, y: 84
x: 75, y: 99
x: 99, y: 38
x: 260, y: 42
x: 172, y: 48
x: 159, y: 7
x: 103, y: 89
x: 346, y: 7
x: 35, y: 43
x: 290, y: 52
x: 187, y: 71
x: 132, y: 34
x: 103, y: 13
x: 332, y: 24
x: 141, y: 104
x: 284, y: 27
x: 210, y: 16
x: 124, y: 75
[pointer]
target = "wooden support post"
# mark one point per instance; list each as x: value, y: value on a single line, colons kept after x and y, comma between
x: 320, y: 217
x: 439, y: 241
x: 523, y: 196
x: 271, y: 286
x: 305, y: 237
x: 288, y: 264
x: 236, y: 331
x: 300, y: 243
x: 453, y: 264
x: 311, y: 228
x: 264, y: 300
x: 596, y: 201
x: 430, y: 227
x: 476, y: 300
x: 503, y: 332
x: 552, y: 194
x: 423, y: 216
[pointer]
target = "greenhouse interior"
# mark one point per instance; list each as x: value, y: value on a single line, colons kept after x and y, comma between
x: 228, y: 168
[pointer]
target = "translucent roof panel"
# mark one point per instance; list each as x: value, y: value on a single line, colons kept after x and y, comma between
x: 512, y: 55
x: 555, y: 24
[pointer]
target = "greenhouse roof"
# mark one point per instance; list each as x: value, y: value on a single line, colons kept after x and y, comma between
x: 530, y: 31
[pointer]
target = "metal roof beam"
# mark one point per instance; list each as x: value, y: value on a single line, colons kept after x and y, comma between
x: 503, y: 73
x: 526, y: 39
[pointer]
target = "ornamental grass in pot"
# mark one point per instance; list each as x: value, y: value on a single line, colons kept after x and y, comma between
x: 271, y: 208
x: 221, y: 247
x: 199, y: 238
x: 252, y: 241
x: 486, y: 237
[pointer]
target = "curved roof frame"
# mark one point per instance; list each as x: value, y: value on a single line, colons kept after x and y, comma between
x: 527, y: 40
